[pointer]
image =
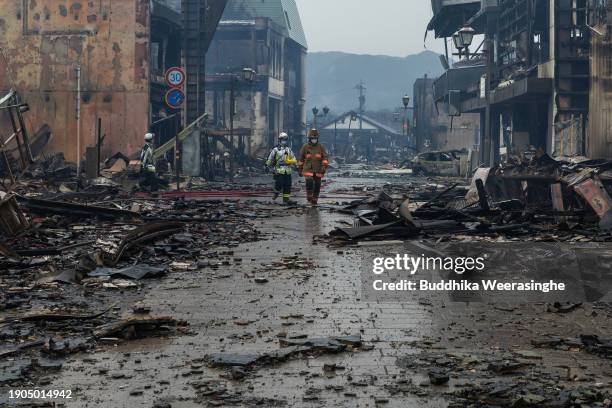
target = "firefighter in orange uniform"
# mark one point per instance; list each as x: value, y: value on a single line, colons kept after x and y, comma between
x: 313, y: 164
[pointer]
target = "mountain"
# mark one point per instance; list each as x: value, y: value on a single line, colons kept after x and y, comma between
x: 331, y: 78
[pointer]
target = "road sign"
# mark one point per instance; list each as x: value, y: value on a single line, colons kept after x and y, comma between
x: 175, y: 98
x: 175, y: 77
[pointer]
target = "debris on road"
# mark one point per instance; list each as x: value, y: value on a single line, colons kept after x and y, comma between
x: 538, y: 200
x: 289, y: 348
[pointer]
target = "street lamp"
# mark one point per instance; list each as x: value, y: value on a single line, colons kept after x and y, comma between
x: 315, y: 115
x: 458, y: 41
x: 248, y: 74
x: 406, y: 101
x: 406, y: 121
x: 463, y: 39
x: 467, y: 36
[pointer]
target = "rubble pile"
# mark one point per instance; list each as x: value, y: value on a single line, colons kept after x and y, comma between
x: 540, y: 199
x: 505, y: 379
x: 70, y: 275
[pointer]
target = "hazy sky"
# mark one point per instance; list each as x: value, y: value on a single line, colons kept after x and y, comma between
x: 388, y: 27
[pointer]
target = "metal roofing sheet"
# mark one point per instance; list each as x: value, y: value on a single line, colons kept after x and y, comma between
x: 283, y: 12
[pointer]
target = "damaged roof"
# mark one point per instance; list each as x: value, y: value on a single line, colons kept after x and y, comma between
x: 283, y: 12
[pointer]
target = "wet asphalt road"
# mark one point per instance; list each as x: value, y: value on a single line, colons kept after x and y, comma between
x: 229, y: 311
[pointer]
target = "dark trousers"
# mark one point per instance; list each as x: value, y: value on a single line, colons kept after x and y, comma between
x: 313, y: 186
x: 148, y: 179
x: 282, y: 185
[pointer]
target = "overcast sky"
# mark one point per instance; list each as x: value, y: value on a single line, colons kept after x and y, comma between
x: 386, y: 27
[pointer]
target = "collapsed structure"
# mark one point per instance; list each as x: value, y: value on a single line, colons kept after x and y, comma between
x: 538, y: 80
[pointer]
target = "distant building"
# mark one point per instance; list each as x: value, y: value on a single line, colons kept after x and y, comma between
x: 266, y: 36
x: 355, y: 136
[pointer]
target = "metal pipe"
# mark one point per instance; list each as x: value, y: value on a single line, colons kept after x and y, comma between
x: 99, y: 145
x: 78, y: 118
x: 16, y: 131
x: 23, y: 130
x: 232, y: 113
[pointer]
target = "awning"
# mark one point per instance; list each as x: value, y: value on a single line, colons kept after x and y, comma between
x: 452, y: 16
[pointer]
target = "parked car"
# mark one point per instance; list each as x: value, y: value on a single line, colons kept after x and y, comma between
x: 438, y: 164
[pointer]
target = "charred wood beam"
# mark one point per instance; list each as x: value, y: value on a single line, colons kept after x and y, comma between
x: 80, y: 210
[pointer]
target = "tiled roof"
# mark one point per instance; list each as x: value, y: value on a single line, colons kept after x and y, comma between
x: 365, y: 118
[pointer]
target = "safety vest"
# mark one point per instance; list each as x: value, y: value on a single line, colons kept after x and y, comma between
x: 146, y: 159
x: 281, y: 159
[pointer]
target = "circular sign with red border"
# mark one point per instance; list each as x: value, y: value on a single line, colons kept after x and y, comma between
x: 175, y: 77
x: 175, y: 98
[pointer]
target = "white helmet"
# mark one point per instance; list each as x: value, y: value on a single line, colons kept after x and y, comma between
x: 283, y: 136
x: 149, y: 137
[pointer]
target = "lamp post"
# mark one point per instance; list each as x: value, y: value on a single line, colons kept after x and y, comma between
x: 406, y: 121
x: 405, y: 102
x: 463, y: 39
x: 248, y: 75
x: 316, y: 115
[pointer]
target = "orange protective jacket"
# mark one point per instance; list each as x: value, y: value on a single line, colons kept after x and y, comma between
x: 313, y: 160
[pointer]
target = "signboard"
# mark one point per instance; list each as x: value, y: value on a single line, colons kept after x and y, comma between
x: 175, y: 77
x: 483, y: 87
x: 175, y: 98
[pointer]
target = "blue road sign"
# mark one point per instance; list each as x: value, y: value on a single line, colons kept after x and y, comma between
x: 175, y: 98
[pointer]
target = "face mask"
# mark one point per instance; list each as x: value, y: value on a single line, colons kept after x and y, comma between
x: 284, y: 143
x: 314, y: 141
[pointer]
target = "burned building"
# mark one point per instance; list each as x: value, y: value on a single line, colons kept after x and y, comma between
x: 78, y: 62
x: 267, y: 37
x: 434, y: 129
x: 535, y: 77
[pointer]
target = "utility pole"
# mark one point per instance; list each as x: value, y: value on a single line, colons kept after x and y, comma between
x: 362, y: 99
x: 361, y: 88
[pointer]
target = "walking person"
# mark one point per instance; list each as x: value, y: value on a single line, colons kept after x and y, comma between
x: 313, y: 165
x: 148, y: 171
x: 281, y: 161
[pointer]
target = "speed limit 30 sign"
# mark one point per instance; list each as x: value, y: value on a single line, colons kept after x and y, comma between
x: 175, y: 77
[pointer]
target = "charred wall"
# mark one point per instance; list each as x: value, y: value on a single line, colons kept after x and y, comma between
x: 43, y: 41
x: 435, y: 130
x: 599, y: 141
